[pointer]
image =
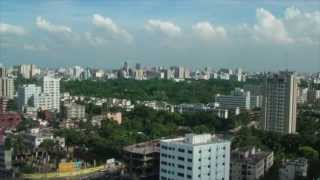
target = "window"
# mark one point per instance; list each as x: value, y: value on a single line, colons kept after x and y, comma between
x: 181, y: 158
x: 180, y: 174
x: 189, y: 160
x: 164, y: 147
x: 164, y: 163
x: 189, y: 176
x: 180, y: 166
x: 189, y: 168
x: 181, y: 150
x: 190, y: 151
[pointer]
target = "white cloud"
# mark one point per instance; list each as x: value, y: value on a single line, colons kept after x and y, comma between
x: 94, y: 40
x: 292, y: 12
x: 165, y: 27
x: 32, y: 47
x: 48, y: 26
x: 303, y: 27
x: 207, y: 31
x: 11, y: 29
x: 268, y: 27
x: 107, y: 24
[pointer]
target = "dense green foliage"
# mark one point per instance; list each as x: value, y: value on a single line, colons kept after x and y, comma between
x: 165, y: 90
x: 140, y: 125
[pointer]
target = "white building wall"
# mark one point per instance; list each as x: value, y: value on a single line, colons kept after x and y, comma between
x: 181, y: 160
x: 51, y: 86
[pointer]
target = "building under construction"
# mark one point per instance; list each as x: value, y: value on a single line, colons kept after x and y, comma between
x: 142, y: 160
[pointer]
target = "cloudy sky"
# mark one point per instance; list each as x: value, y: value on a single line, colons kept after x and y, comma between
x: 253, y: 34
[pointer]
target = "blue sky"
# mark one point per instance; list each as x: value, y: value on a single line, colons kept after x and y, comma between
x: 254, y: 35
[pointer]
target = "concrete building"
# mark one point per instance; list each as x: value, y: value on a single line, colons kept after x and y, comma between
x: 179, y: 72
x: 42, y: 101
x: 280, y: 103
x: 3, y: 104
x: 255, y: 90
x: 28, y: 71
x: 9, y: 120
x: 142, y: 160
x: 74, y: 111
x: 25, y: 93
x: 250, y: 164
x: 51, y: 86
x: 293, y: 169
x: 7, y: 87
x: 222, y: 113
x: 302, y: 95
x: 313, y: 95
x: 169, y: 74
x: 115, y: 116
x: 3, y: 72
x: 5, y: 162
x: 195, y: 107
x: 237, y: 99
x: 195, y: 157
x: 36, y: 136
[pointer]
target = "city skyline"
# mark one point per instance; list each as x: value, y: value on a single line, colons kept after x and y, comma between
x: 259, y: 35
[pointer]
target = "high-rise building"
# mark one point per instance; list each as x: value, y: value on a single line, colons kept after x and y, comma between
x: 280, y: 103
x: 28, y: 70
x: 139, y: 74
x: 25, y: 93
x: 7, y: 87
x: 179, y: 72
x: 51, y: 87
x: 3, y: 72
x: 195, y: 157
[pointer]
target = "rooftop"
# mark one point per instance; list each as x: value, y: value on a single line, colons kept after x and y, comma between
x: 196, y: 139
x: 143, y: 148
x: 249, y: 154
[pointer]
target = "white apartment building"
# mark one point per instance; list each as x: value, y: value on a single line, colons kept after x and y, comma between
x: 7, y: 87
x: 43, y: 101
x: 195, y: 157
x: 51, y: 86
x: 280, y: 103
x: 25, y: 93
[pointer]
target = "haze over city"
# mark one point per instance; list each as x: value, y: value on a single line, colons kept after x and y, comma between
x: 160, y: 90
x: 254, y: 35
